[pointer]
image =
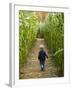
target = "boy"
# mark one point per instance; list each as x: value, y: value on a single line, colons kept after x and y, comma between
x: 42, y: 57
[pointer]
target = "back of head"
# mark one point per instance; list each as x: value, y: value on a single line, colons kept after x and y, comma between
x: 42, y: 47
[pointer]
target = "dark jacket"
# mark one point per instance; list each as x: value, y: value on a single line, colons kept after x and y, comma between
x: 42, y: 55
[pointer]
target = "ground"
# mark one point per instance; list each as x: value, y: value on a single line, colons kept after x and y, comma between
x: 32, y: 68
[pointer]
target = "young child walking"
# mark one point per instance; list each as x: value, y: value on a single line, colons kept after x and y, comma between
x: 42, y: 57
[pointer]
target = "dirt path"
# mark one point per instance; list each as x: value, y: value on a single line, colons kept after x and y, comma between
x: 32, y: 69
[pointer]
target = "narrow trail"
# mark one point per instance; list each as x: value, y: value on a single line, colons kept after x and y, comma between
x: 32, y: 68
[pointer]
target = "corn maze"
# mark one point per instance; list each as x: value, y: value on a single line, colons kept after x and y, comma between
x: 46, y: 25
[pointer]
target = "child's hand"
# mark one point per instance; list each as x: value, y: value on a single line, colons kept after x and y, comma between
x: 47, y: 56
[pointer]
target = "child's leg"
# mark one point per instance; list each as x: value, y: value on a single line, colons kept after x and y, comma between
x: 42, y: 68
x: 44, y: 65
x: 41, y: 65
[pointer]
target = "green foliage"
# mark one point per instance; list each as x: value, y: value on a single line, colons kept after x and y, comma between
x: 52, y: 30
x: 54, y: 36
x: 28, y: 25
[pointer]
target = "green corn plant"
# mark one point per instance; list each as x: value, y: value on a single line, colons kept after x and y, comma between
x: 53, y: 29
x: 28, y: 25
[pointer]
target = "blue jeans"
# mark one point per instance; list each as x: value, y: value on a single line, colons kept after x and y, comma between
x: 42, y: 65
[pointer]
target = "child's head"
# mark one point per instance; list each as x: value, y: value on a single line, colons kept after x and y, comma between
x: 41, y: 47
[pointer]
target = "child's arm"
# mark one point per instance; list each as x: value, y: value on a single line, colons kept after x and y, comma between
x: 46, y: 55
